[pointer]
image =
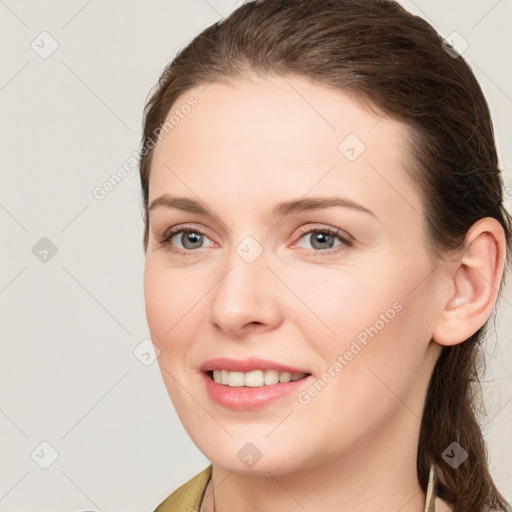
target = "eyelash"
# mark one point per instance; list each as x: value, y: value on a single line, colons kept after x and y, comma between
x: 166, y: 238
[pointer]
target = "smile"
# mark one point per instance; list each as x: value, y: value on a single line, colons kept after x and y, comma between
x: 255, y: 378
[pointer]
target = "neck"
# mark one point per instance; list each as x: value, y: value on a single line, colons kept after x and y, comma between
x: 375, y: 475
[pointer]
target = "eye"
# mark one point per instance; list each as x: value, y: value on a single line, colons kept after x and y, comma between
x: 190, y: 238
x: 185, y: 240
x: 323, y: 239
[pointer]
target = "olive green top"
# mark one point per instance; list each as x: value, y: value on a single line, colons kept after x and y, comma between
x: 189, y: 497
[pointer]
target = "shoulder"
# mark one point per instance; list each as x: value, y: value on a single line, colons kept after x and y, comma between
x: 189, y: 496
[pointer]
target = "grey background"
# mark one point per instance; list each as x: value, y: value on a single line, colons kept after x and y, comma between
x: 70, y: 324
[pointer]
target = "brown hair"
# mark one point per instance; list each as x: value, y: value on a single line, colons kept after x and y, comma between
x: 395, y: 63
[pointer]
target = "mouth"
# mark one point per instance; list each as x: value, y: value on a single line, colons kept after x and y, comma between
x: 254, y: 389
x: 252, y: 383
x: 254, y: 378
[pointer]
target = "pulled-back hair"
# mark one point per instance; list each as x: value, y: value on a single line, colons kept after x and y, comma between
x: 396, y: 64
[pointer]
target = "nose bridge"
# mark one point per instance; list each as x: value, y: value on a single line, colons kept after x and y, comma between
x: 247, y: 270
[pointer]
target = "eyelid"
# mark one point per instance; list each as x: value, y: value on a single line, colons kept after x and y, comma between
x: 347, y: 240
x: 182, y: 227
x: 168, y: 234
x: 327, y: 229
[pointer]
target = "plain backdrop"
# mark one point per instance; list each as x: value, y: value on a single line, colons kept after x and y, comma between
x: 85, y: 420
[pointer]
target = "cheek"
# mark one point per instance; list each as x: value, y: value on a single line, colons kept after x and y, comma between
x: 156, y: 298
x: 344, y: 304
x: 166, y: 302
x: 370, y: 323
x: 169, y: 298
x: 364, y: 383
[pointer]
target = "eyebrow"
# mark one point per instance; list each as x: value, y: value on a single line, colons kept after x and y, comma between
x: 279, y: 210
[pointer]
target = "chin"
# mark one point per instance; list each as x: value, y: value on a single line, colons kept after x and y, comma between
x: 276, y: 464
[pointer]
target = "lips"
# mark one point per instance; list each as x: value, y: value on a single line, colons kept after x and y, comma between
x: 248, y: 365
x: 252, y: 398
x: 247, y: 397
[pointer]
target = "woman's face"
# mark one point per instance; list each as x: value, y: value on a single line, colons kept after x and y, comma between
x: 248, y: 279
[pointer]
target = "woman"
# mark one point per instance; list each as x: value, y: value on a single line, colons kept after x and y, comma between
x: 325, y: 243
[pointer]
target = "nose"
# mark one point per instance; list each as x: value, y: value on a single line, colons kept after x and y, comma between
x: 246, y: 297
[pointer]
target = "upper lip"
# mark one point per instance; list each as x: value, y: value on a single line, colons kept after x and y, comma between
x: 247, y: 365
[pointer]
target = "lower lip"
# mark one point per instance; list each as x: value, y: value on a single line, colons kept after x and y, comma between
x: 243, y: 398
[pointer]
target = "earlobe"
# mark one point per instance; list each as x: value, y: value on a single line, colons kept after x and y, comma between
x: 474, y: 283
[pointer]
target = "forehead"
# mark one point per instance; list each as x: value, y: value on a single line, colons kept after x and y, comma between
x: 279, y: 138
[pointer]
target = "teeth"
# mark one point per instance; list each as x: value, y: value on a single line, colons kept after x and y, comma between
x: 235, y: 379
x: 271, y: 377
x: 254, y: 379
x: 285, y: 377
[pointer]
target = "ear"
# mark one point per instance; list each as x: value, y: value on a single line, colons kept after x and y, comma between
x: 473, y: 284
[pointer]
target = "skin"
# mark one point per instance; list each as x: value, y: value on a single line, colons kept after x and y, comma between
x: 246, y: 147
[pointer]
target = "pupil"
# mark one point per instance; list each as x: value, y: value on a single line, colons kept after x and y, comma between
x: 189, y: 238
x: 322, y: 238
